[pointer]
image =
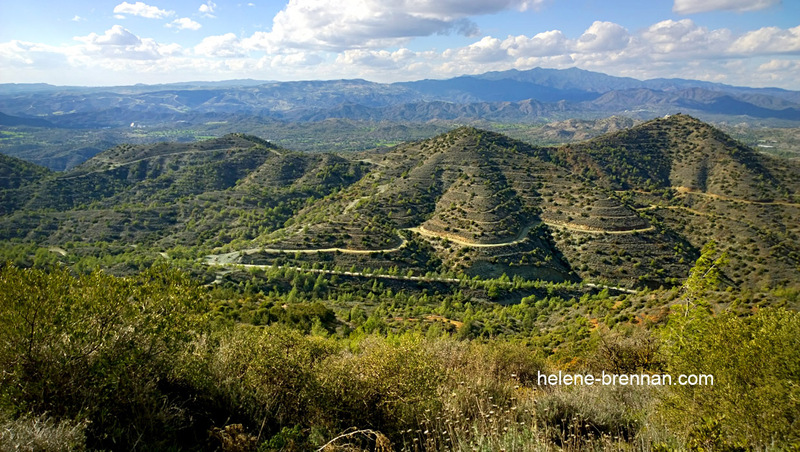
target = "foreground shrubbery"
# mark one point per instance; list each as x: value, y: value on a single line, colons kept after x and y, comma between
x: 95, y: 348
x: 755, y: 399
x: 135, y: 363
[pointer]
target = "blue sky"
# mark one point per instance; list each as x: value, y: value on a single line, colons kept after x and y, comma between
x: 90, y: 42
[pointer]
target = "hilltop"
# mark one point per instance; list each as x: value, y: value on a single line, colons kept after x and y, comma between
x: 16, y: 173
x: 695, y: 182
x: 16, y: 176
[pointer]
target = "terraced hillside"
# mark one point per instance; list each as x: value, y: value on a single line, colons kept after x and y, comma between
x: 15, y: 176
x: 630, y: 208
x: 618, y: 208
x: 680, y: 152
x: 689, y: 178
x: 482, y: 204
x: 199, y: 194
x: 459, y: 191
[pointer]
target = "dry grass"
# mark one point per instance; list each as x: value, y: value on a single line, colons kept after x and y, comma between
x: 41, y: 434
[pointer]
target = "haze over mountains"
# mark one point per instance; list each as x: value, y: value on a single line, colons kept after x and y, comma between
x: 631, y: 208
x: 513, y: 95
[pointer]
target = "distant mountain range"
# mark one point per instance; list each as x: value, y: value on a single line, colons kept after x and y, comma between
x: 514, y: 96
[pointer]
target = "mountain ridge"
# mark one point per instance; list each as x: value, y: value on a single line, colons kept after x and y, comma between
x: 574, y: 90
x: 60, y: 128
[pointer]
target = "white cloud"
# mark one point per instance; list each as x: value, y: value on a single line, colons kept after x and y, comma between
x: 118, y: 42
x: 548, y: 43
x: 20, y: 53
x: 336, y: 25
x: 376, y: 58
x: 701, y: 6
x: 487, y: 50
x: 670, y: 31
x: 141, y: 9
x: 208, y: 8
x: 768, y: 40
x: 780, y: 65
x: 601, y: 43
x: 115, y: 36
x: 454, y: 9
x: 603, y: 37
x: 296, y: 59
x: 554, y: 62
x: 776, y: 71
x: 679, y: 38
x: 226, y: 46
x: 77, y: 18
x: 184, y: 23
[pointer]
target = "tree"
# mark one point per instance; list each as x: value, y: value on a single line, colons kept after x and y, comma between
x: 753, y: 401
x: 704, y: 276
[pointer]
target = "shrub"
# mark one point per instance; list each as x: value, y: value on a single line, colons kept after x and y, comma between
x: 755, y: 398
x: 94, y: 347
x: 592, y: 412
x: 382, y: 385
x: 625, y: 351
x: 261, y: 377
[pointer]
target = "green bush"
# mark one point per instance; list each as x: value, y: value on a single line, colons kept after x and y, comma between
x: 273, y: 378
x: 625, y: 351
x: 755, y: 398
x: 263, y: 378
x: 95, y: 348
x: 384, y: 385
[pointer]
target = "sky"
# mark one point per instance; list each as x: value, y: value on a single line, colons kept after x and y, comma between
x: 103, y: 43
